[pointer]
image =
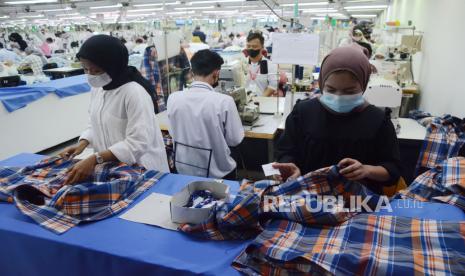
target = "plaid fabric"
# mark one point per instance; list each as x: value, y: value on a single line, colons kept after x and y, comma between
x: 260, y: 201
x: 34, y: 62
x: 364, y: 245
x: 39, y: 193
x: 169, y: 147
x: 445, y: 137
x: 151, y: 71
x: 445, y: 183
x: 424, y: 118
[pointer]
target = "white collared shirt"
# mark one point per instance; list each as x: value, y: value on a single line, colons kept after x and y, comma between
x: 201, y: 117
x: 262, y: 81
x: 122, y: 121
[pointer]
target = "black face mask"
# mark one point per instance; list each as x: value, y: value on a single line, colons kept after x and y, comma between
x: 253, y: 53
x: 215, y: 84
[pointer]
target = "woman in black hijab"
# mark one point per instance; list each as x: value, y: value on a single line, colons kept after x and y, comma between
x: 123, y: 126
x: 17, y: 38
x: 110, y: 54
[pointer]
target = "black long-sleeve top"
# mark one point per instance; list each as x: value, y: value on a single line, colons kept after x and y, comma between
x: 315, y: 138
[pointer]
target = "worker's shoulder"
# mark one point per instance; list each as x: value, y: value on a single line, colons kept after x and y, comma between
x: 308, y: 104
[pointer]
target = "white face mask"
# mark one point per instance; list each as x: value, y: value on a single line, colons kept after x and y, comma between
x: 98, y: 80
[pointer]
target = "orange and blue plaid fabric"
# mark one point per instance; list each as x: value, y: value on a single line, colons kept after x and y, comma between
x: 444, y: 183
x: 363, y: 245
x: 39, y: 193
x: 445, y: 136
x: 339, y: 242
x: 263, y: 200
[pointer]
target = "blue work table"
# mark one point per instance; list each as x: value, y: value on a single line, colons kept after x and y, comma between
x: 119, y: 247
x: 109, y: 247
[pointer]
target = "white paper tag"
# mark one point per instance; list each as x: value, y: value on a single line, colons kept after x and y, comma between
x: 269, y: 170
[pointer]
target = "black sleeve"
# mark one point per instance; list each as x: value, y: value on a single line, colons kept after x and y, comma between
x: 388, y: 152
x: 287, y: 147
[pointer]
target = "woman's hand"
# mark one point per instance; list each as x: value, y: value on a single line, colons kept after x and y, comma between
x: 74, y: 150
x: 353, y: 169
x: 81, y: 171
x: 288, y: 171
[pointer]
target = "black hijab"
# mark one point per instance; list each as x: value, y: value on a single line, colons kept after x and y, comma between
x: 15, y: 37
x: 110, y: 54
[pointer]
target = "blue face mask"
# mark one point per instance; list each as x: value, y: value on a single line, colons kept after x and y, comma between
x: 342, y: 103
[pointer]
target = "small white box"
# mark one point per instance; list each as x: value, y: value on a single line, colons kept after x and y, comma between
x: 181, y: 214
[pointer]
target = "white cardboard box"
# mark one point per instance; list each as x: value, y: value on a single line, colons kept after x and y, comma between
x: 181, y: 214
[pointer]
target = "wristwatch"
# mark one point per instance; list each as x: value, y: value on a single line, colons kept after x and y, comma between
x: 99, y: 158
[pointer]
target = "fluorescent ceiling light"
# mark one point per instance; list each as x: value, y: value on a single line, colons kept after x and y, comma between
x: 195, y: 8
x: 238, y: 7
x: 360, y: 1
x: 30, y: 2
x: 158, y: 4
x: 4, y: 17
x: 180, y: 12
x: 54, y: 10
x: 318, y: 18
x: 74, y: 17
x: 211, y: 2
x: 319, y: 11
x: 366, y: 7
x: 363, y: 10
x: 140, y: 15
x: 107, y: 7
x: 67, y: 14
x: 364, y: 15
x: 220, y: 12
x: 146, y: 10
x: 32, y: 16
x: 305, y: 4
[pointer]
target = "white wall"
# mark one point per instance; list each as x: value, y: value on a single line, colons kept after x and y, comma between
x: 442, y: 68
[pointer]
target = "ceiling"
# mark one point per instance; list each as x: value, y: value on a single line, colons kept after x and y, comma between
x: 112, y: 11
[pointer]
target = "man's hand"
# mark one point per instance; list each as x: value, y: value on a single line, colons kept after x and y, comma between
x: 81, y: 171
x: 353, y: 169
x: 288, y: 171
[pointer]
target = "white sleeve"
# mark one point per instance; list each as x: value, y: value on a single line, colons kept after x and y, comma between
x: 139, y: 109
x: 272, y: 75
x: 87, y: 134
x: 234, y: 131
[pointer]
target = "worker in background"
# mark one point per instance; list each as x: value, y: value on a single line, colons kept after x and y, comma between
x: 17, y: 42
x: 8, y: 56
x: 47, y: 47
x: 205, y: 123
x: 33, y: 60
x: 140, y: 46
x: 341, y: 128
x: 123, y: 126
x: 197, y: 32
x: 151, y: 71
x: 262, y: 75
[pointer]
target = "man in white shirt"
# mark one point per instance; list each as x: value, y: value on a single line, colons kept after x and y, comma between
x: 204, y: 123
x: 262, y: 74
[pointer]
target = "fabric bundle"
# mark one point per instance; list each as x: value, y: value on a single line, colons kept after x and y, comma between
x: 339, y: 241
x: 202, y: 199
x: 39, y: 193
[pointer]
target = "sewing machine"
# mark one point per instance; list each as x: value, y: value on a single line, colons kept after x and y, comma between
x: 249, y: 113
x: 385, y: 94
x: 231, y: 76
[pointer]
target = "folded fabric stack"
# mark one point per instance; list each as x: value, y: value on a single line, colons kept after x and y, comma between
x: 39, y: 193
